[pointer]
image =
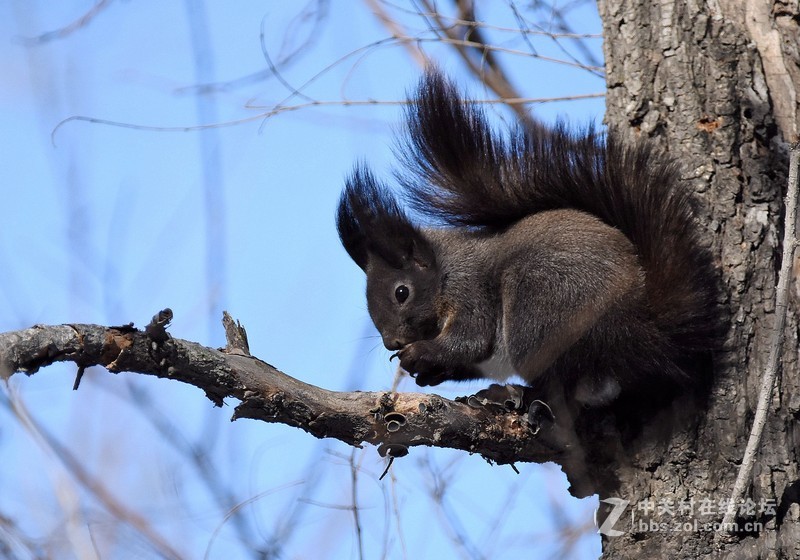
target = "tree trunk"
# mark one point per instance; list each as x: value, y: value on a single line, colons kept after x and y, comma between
x: 716, y: 84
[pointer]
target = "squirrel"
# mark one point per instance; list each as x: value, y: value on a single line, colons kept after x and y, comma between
x: 570, y: 259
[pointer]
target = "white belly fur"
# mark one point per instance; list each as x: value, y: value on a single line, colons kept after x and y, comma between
x: 498, y: 366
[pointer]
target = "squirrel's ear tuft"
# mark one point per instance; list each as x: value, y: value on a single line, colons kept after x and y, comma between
x: 350, y: 217
x: 371, y: 223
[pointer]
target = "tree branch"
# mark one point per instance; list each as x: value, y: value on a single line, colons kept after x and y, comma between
x: 394, y: 421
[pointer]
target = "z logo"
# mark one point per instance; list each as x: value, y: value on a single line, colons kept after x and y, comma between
x: 607, y: 527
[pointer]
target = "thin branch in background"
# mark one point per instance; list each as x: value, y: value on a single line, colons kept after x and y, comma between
x: 440, y: 483
x: 212, y: 180
x: 70, y: 28
x: 351, y: 502
x: 398, y: 32
x: 354, y: 507
x: 403, y: 37
x: 288, y: 522
x: 467, y: 44
x: 318, y: 14
x: 500, y: 86
x: 234, y: 511
x: 197, y: 458
x: 94, y: 543
x: 298, y: 90
x: 479, y: 57
x: 530, y: 29
x: 75, y: 523
x: 471, y: 31
x: 396, y: 514
x: 484, y: 68
x: 467, y: 28
x: 513, y: 493
x: 154, y: 128
x: 315, y: 11
x: 524, y: 29
x: 563, y: 30
x: 273, y: 68
x: 427, y: 19
x: 358, y: 53
x: 279, y: 109
x: 14, y: 545
x: 790, y: 242
x: 386, y: 542
x: 593, y: 65
x: 521, y: 26
x: 568, y: 532
x: 91, y: 483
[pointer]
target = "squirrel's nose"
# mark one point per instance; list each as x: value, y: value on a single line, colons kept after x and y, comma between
x: 393, y: 344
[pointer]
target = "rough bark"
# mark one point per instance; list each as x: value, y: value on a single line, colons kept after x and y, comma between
x: 716, y: 84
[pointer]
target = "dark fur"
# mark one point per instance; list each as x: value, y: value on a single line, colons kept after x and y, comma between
x: 578, y: 254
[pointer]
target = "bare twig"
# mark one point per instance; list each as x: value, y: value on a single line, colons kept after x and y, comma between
x: 440, y: 486
x: 196, y: 457
x: 70, y: 28
x: 289, y: 520
x: 91, y: 483
x: 393, y: 26
x: 278, y: 109
x: 237, y: 509
x: 354, y: 469
x: 781, y: 304
x: 495, y: 48
x: 491, y: 26
x: 557, y: 39
x: 397, y: 518
x: 273, y: 68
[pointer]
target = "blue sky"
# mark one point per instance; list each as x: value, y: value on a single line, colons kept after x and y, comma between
x: 107, y: 225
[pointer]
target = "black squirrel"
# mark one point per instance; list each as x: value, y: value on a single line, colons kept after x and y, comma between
x: 570, y: 259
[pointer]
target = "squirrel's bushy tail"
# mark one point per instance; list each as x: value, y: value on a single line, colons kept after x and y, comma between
x: 461, y: 172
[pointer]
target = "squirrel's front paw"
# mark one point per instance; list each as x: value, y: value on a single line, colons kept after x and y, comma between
x: 415, y: 359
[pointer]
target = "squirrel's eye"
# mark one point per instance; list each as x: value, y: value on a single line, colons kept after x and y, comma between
x: 401, y: 293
